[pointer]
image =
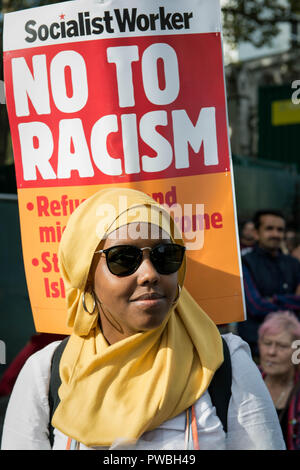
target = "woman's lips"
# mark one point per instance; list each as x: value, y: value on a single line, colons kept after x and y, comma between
x: 149, y: 300
x: 148, y: 297
x: 270, y: 363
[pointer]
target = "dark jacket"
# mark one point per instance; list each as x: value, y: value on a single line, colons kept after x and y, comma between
x: 289, y: 417
x: 270, y: 283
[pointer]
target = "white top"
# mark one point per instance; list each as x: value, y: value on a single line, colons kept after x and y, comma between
x: 252, y: 418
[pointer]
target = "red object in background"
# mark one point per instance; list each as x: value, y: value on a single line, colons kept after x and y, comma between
x: 36, y: 343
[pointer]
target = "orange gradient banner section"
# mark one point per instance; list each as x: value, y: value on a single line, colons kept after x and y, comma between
x: 206, y: 217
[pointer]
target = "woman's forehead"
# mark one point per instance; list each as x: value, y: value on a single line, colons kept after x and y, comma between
x: 280, y: 336
x: 138, y: 231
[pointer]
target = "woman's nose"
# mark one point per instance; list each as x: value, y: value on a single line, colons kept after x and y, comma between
x: 146, y: 272
x: 272, y: 349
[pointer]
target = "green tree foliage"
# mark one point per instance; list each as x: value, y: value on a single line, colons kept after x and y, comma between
x: 258, y: 21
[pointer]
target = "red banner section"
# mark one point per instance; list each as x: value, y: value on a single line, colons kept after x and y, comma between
x: 117, y: 110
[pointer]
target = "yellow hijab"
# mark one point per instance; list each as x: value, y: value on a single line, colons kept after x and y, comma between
x: 121, y: 390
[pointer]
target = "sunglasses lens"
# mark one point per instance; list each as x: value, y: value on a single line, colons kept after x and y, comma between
x: 123, y: 260
x: 167, y: 258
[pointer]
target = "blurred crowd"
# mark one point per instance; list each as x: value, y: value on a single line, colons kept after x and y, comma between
x: 270, y: 252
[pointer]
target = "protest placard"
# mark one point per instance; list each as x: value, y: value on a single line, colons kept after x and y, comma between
x: 103, y: 93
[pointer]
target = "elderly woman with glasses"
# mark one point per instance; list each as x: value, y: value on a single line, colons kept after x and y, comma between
x: 279, y: 344
x: 142, y: 352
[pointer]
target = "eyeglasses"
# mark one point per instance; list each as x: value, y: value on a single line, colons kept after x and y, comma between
x: 123, y: 260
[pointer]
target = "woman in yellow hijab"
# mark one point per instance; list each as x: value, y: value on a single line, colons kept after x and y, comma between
x: 142, y: 351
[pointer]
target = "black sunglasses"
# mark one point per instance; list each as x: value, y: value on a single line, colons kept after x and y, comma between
x: 123, y: 260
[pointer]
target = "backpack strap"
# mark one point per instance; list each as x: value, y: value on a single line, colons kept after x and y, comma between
x: 54, y: 385
x: 220, y: 387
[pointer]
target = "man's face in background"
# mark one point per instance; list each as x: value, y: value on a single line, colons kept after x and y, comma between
x: 270, y: 233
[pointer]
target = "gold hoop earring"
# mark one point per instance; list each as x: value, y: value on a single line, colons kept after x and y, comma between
x: 84, y: 304
x: 177, y: 296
